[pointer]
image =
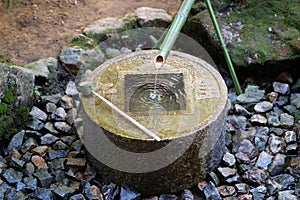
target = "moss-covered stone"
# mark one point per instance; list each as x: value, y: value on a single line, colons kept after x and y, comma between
x: 16, y: 92
x: 268, y: 31
x: 12, y: 118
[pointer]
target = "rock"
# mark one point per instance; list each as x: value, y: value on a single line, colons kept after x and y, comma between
x: 247, y: 148
x: 242, y: 158
x: 263, y: 107
x: 228, y: 159
x: 233, y: 179
x: 152, y: 17
x: 287, y: 194
x: 273, y: 187
x: 20, y: 186
x: 57, y: 164
x: 53, y: 154
x: 111, y: 53
x: 241, y: 110
x: 226, y: 190
x: 291, y: 149
x: 17, y: 162
x: 260, y: 141
x: 67, y: 102
x: 44, y: 178
x: 12, y: 176
x: 71, y: 116
x: 29, y: 168
x: 39, y: 162
x: 76, y: 162
x: 281, y: 88
x: 38, y: 113
x: 214, y: 178
x: 273, y: 119
x: 48, y: 139
x: 16, y: 141
x: 50, y: 107
x: 54, y: 98
x: 278, y: 165
x: 30, y: 182
x: 43, y: 67
x: 167, y: 197
x: 125, y: 50
x: 71, y: 89
x: 258, y: 119
x: 71, y: 56
x: 252, y: 95
x: 290, y: 109
x: 187, y: 195
x: 242, y: 188
x: 63, y: 126
x: 286, y: 120
x: 226, y: 172
x: 277, y: 131
x: 77, y: 197
x: 272, y: 97
x: 16, y: 99
x: 59, y: 114
x: 64, y: 191
x: 110, y: 191
x: 290, y: 137
x: 40, y: 150
x: 50, y: 127
x: 246, y: 197
x: 295, y: 100
x: 210, y: 191
x: 59, y: 145
x: 276, y: 144
x: 13, y: 194
x: 29, y: 144
x: 35, y: 124
x: 255, y: 176
x: 264, y: 160
x: 259, y: 193
x: 44, y: 194
x: 285, y: 180
x: 76, y: 58
x: 68, y: 139
x: 127, y: 193
x: 239, y: 122
x: 101, y: 27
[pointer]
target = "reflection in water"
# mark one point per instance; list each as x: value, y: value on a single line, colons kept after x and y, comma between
x: 170, y: 94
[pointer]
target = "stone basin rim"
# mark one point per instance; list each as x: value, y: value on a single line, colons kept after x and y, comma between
x: 223, y: 93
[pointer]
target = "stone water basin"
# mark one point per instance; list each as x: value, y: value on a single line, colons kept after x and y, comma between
x: 189, y: 117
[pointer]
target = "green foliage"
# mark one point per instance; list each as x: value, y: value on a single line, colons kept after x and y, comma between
x: 269, y: 26
x: 9, y: 96
x: 10, y: 119
x: 83, y: 42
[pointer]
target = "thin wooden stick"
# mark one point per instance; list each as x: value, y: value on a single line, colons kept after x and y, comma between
x: 136, y: 123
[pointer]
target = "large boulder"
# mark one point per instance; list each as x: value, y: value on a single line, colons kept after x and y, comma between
x: 255, y: 32
x: 16, y: 98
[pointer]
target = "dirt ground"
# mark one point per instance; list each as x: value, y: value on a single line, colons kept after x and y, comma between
x: 35, y: 29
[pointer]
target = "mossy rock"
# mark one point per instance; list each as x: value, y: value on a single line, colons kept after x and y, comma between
x: 255, y: 32
x: 16, y: 98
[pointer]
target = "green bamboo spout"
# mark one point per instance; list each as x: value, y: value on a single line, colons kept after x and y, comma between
x: 173, y: 32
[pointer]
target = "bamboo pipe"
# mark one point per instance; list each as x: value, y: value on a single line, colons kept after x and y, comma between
x: 173, y: 33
